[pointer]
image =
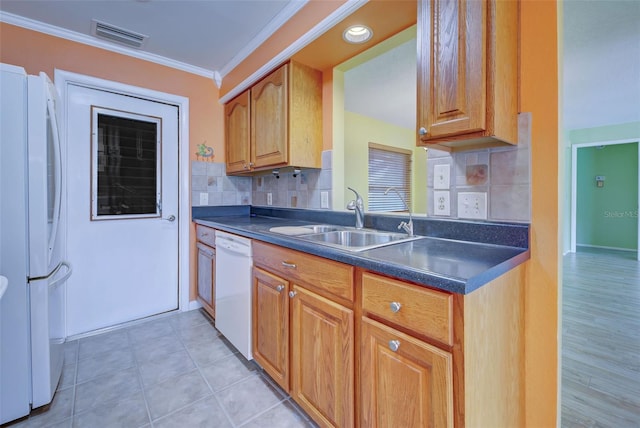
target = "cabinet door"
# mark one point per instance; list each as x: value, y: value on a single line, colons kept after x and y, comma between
x: 451, y: 67
x: 206, y: 277
x: 270, y: 119
x: 322, y: 371
x: 271, y: 325
x: 237, y: 138
x: 404, y: 382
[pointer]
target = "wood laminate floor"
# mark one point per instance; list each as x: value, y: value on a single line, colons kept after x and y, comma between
x: 601, y: 339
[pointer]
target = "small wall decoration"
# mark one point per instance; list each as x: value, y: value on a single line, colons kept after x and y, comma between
x: 204, y: 153
x: 476, y: 174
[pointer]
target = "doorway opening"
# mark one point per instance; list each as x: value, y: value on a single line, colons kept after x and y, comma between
x: 616, y: 208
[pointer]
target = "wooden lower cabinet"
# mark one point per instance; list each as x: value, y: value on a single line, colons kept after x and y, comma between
x: 404, y: 382
x: 377, y: 351
x: 302, y: 337
x: 322, y: 358
x: 271, y: 325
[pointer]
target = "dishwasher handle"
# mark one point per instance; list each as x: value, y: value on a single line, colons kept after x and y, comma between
x: 233, y: 246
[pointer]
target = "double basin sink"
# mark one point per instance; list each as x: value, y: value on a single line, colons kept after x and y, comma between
x: 343, y: 237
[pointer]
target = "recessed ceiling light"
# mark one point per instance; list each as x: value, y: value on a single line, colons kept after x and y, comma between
x: 357, y: 34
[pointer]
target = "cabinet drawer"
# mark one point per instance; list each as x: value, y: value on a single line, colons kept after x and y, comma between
x: 327, y: 277
x: 206, y: 235
x: 427, y: 312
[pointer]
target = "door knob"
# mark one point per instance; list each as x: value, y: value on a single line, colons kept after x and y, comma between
x: 279, y: 288
x: 170, y: 218
x: 394, y: 345
x: 395, y: 306
x: 422, y: 131
x: 292, y: 294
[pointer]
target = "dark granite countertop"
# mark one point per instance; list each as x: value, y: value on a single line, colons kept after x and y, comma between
x: 442, y: 259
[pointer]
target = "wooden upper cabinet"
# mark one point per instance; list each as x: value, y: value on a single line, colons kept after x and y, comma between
x: 467, y: 73
x: 284, y: 122
x: 236, y: 113
x: 269, y: 119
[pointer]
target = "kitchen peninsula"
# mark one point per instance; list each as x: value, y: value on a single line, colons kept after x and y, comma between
x: 424, y: 332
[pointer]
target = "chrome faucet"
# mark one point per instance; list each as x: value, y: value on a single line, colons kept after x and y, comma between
x: 407, y: 227
x: 358, y: 205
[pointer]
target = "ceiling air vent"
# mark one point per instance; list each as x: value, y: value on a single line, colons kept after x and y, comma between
x: 117, y: 34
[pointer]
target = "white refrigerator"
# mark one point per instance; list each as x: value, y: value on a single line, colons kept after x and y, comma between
x: 32, y: 329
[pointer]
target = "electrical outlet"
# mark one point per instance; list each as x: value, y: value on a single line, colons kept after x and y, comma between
x: 324, y: 199
x: 472, y: 205
x: 269, y: 198
x: 204, y: 198
x: 441, y: 203
x: 441, y: 174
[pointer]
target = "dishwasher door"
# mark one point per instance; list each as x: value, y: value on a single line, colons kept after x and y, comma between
x: 233, y: 290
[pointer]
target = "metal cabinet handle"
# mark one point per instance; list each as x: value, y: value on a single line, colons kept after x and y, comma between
x: 292, y: 294
x: 289, y: 265
x: 394, y: 345
x: 395, y: 306
x: 279, y: 288
x: 422, y: 131
x: 170, y: 218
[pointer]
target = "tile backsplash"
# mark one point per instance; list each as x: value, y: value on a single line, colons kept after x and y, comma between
x: 210, y: 179
x: 290, y: 190
x: 504, y: 173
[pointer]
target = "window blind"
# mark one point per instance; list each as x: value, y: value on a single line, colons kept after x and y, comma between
x: 389, y: 167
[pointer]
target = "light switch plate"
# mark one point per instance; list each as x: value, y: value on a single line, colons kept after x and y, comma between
x: 441, y: 176
x: 204, y: 198
x: 269, y: 198
x: 324, y: 199
x: 472, y: 205
x: 441, y: 203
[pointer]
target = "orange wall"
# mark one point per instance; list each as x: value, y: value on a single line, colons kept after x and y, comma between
x: 539, y: 95
x: 38, y: 52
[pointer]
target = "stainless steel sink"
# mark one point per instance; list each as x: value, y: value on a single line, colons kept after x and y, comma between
x: 358, y: 240
x: 322, y: 228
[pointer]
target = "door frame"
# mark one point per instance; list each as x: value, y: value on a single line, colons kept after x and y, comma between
x: 63, y: 79
x: 574, y: 185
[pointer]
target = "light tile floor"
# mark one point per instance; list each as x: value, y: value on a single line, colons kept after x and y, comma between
x: 173, y: 371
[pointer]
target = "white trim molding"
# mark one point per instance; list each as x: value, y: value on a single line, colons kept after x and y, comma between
x: 65, y: 78
x: 330, y: 21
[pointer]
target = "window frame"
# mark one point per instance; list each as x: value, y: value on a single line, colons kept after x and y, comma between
x: 389, y: 203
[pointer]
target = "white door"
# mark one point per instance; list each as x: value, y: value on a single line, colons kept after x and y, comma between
x: 122, y: 157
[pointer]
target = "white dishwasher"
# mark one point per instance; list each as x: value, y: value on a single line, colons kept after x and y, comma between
x: 233, y: 290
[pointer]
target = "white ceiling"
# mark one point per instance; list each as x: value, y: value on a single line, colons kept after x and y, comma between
x: 212, y: 35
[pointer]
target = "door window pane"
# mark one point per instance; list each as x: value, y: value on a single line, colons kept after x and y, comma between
x: 126, y: 165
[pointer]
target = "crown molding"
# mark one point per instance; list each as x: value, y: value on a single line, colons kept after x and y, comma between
x: 52, y: 30
x: 338, y: 15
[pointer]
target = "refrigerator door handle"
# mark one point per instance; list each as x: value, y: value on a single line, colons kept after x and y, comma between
x: 54, y: 272
x: 57, y: 165
x: 63, y: 278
